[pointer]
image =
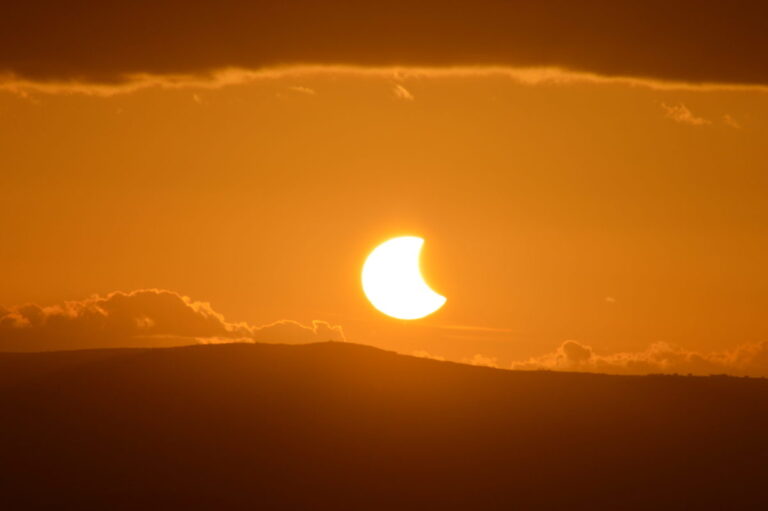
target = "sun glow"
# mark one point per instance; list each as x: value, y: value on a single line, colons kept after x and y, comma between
x: 393, y: 282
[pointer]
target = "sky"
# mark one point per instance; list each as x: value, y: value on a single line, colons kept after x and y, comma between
x: 591, y: 189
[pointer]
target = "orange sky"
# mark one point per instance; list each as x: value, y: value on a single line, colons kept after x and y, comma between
x: 614, y: 214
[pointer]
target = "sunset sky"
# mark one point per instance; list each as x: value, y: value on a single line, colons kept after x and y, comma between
x: 591, y: 190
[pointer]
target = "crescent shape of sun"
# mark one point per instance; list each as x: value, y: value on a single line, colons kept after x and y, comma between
x: 393, y: 283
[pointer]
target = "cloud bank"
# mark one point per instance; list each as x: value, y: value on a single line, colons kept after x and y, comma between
x: 161, y: 318
x: 745, y: 360
x: 106, y: 42
x: 149, y: 317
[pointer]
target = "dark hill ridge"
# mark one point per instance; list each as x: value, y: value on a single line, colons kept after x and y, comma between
x: 344, y: 426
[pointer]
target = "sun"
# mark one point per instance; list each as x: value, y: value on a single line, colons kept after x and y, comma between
x: 393, y: 283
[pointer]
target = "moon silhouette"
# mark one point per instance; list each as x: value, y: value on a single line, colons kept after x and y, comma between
x: 393, y: 283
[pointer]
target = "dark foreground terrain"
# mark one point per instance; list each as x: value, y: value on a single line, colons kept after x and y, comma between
x: 343, y: 426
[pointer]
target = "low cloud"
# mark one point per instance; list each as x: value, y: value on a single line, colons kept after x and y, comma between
x: 682, y: 114
x: 293, y: 332
x: 426, y: 354
x: 745, y: 360
x: 148, y: 317
x: 476, y: 360
x: 482, y: 360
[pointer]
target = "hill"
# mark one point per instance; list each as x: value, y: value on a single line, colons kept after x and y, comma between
x: 344, y: 426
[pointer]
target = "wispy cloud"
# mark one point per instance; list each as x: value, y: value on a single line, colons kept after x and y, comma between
x: 402, y: 93
x: 482, y: 360
x: 303, y: 90
x: 224, y: 77
x: 730, y: 121
x: 682, y: 114
x: 426, y: 354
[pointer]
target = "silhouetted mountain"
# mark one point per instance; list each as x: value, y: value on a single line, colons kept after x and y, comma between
x: 344, y: 426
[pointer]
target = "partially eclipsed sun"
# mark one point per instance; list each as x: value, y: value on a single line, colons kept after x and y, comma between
x: 393, y: 283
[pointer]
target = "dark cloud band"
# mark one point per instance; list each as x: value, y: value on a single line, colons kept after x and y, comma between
x: 103, y: 42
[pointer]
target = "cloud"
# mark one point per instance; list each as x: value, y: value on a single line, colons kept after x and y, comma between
x: 401, y: 92
x: 680, y: 113
x: 79, y: 41
x: 426, y: 354
x: 303, y: 90
x: 745, y: 360
x: 291, y: 332
x: 730, y: 121
x: 476, y: 360
x: 481, y: 360
x: 149, y: 317
x: 216, y: 79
